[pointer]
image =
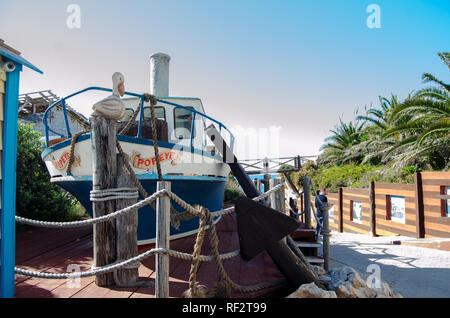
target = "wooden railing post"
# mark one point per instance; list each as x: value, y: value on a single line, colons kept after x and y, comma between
x: 420, y: 219
x: 277, y: 198
x: 103, y: 142
x: 307, y: 201
x: 373, y: 217
x: 341, y: 210
x: 162, y: 241
x: 326, y: 239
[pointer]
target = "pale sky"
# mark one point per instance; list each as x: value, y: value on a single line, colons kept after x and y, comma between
x: 256, y: 64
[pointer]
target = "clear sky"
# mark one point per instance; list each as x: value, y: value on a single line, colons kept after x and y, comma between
x: 297, y: 65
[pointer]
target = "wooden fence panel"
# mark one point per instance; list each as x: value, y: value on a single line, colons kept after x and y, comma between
x: 436, y: 214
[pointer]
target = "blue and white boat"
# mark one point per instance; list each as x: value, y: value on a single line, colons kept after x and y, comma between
x: 188, y: 158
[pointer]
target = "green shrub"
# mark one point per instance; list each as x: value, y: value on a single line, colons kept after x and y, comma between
x: 37, y: 198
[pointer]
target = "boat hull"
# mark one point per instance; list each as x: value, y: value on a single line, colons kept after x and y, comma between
x: 207, y: 192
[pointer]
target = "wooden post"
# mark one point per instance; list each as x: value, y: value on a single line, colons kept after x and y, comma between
x: 162, y: 241
x: 420, y: 222
x: 326, y: 239
x: 126, y: 228
x: 341, y: 210
x: 258, y: 185
x: 302, y: 208
x: 373, y: 216
x: 307, y: 201
x: 104, y: 161
x: 277, y: 198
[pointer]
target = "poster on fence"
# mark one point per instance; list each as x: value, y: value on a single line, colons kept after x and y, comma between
x: 398, y: 209
x: 357, y: 212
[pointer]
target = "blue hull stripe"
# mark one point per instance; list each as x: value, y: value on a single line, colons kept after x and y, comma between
x: 208, y: 193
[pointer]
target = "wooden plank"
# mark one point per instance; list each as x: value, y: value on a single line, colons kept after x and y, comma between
x: 356, y: 191
x: 126, y: 227
x: 443, y: 175
x: 438, y: 182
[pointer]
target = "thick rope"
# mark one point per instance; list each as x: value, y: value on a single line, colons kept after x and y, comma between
x: 148, y: 200
x: 72, y: 150
x: 155, y: 136
x: 114, y: 194
x: 194, y: 288
x: 131, y: 121
x: 117, y: 265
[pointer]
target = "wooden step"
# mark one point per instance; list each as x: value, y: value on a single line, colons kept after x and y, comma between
x: 308, y: 244
x: 303, y: 233
x: 315, y: 259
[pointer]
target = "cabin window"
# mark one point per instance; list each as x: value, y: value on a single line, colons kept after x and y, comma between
x: 183, y: 122
x: 395, y: 208
x: 128, y: 115
x: 356, y: 211
x: 160, y: 113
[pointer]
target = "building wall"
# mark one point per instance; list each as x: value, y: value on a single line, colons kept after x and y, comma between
x: 55, y: 121
x: 2, y: 103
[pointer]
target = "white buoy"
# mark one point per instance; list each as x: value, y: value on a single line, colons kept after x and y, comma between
x: 159, y: 74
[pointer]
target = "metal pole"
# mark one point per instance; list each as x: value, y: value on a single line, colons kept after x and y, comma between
x: 162, y: 241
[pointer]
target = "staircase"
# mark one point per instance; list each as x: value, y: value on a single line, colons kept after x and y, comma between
x: 305, y: 239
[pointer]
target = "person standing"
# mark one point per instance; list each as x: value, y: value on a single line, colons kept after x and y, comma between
x: 321, y: 204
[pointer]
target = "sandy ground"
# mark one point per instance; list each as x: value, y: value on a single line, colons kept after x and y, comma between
x: 410, y: 270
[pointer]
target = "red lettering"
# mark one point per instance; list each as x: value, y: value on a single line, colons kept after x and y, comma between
x: 140, y: 162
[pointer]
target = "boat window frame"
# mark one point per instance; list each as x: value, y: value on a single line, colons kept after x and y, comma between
x: 132, y: 112
x: 175, y: 122
x: 148, y: 107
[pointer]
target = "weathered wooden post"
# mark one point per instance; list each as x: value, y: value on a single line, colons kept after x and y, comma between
x: 104, y: 166
x: 277, y: 198
x: 162, y: 241
x: 307, y: 201
x: 126, y: 228
x: 326, y: 238
x: 258, y: 185
x: 373, y: 217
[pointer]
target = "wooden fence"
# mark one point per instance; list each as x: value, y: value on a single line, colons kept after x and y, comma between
x: 416, y: 210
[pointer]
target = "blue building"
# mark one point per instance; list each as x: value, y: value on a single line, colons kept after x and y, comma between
x: 10, y: 67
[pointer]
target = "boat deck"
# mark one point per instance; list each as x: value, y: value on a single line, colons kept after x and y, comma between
x: 52, y: 250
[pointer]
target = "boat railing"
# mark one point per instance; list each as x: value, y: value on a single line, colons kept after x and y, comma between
x: 195, y: 115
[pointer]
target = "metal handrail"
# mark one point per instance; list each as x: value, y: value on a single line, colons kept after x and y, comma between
x: 141, y: 96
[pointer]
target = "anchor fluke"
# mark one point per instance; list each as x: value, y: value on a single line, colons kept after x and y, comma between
x: 259, y: 226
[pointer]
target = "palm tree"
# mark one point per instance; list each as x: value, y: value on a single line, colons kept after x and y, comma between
x: 343, y: 138
x: 423, y: 121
